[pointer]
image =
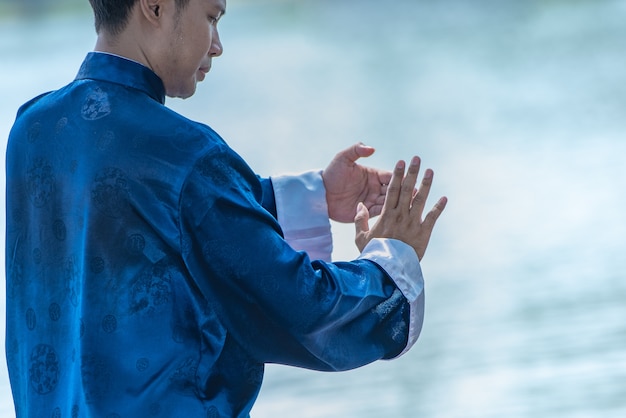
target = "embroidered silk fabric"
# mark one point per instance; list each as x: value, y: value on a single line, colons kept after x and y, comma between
x: 147, y: 274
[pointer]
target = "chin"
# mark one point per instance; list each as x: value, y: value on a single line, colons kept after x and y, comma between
x: 182, y: 92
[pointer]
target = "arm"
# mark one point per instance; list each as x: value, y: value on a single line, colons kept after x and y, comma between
x: 275, y: 301
x: 349, y: 183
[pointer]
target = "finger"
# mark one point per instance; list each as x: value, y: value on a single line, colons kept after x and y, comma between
x: 356, y: 151
x: 419, y: 200
x: 408, y: 184
x: 430, y: 220
x: 375, y: 191
x: 384, y: 177
x: 361, y: 224
x: 363, y: 150
x: 375, y: 209
x: 377, y: 182
x: 361, y: 218
x: 434, y: 214
x: 395, y: 186
x: 375, y: 205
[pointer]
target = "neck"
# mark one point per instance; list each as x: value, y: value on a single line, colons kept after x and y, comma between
x: 115, y: 45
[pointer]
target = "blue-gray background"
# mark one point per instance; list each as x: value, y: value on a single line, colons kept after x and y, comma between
x: 518, y: 106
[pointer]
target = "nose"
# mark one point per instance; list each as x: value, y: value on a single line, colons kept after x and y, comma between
x: 216, y: 45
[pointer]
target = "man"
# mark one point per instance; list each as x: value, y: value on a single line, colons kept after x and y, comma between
x: 150, y: 272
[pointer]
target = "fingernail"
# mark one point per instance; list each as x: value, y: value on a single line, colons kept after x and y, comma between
x: 400, y: 165
x: 415, y: 161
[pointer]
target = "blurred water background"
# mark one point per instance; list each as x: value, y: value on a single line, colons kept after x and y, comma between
x: 518, y: 106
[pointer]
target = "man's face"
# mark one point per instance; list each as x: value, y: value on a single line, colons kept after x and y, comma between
x: 193, y: 41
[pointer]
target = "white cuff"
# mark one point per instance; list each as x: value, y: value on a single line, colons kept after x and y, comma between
x: 400, y: 261
x: 303, y: 213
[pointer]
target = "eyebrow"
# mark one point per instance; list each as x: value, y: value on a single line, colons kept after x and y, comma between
x: 217, y: 5
x: 222, y: 12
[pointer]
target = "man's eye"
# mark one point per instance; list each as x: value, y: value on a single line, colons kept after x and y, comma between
x: 213, y: 20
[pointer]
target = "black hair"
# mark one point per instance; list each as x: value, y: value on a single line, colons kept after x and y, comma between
x: 112, y: 15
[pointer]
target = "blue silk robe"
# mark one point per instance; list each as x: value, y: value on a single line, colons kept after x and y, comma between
x: 147, y: 274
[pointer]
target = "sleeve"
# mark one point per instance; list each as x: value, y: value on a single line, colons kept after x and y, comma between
x: 303, y: 213
x: 400, y: 261
x: 276, y: 302
x: 268, y: 201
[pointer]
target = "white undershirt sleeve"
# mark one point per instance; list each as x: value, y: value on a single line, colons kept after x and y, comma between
x: 303, y: 213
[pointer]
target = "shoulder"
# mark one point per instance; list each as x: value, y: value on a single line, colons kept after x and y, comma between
x: 219, y: 171
x: 32, y: 102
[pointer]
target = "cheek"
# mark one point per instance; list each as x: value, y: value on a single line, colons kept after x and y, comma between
x: 201, y: 39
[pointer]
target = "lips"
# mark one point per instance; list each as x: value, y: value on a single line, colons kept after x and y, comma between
x: 203, y: 72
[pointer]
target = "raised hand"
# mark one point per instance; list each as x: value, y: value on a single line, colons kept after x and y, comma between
x: 348, y: 183
x: 401, y: 216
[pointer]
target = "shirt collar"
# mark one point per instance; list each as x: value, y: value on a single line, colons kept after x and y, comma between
x: 120, y: 70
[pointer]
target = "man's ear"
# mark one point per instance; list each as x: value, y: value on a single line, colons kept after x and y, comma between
x: 152, y: 10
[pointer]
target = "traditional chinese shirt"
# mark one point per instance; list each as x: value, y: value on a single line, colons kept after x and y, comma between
x: 150, y: 272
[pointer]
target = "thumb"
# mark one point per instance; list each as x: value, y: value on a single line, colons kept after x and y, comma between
x: 361, y: 224
x: 357, y: 151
